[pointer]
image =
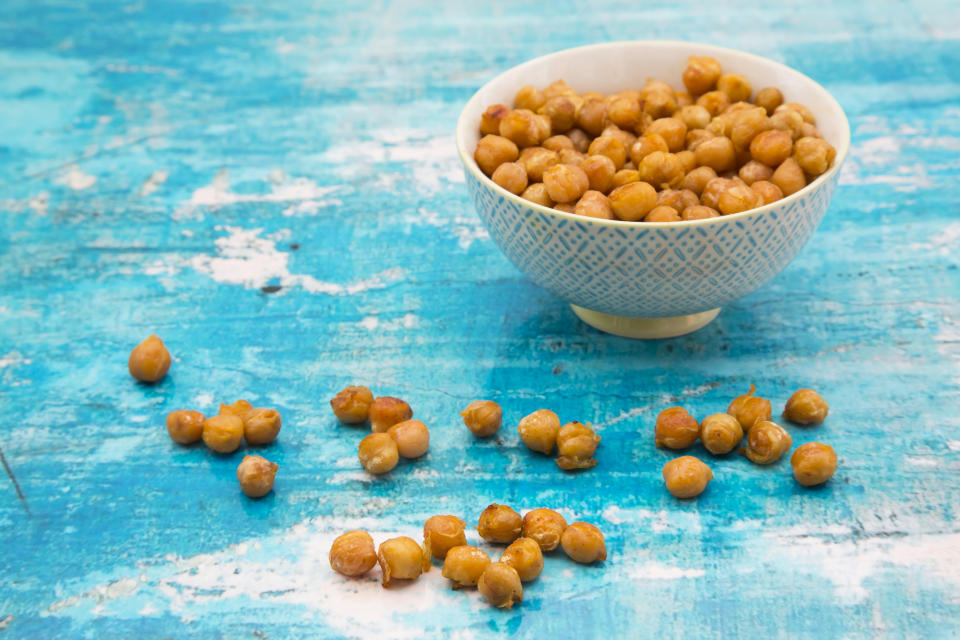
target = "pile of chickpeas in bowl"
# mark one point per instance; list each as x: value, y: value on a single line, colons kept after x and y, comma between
x: 653, y: 154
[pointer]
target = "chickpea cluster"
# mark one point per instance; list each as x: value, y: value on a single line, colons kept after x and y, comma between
x: 653, y: 154
x: 575, y: 442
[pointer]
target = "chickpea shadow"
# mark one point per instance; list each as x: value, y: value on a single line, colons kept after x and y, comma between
x: 258, y: 508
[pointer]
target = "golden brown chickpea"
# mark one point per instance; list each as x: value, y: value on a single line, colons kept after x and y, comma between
x: 789, y: 177
x: 544, y: 526
x: 490, y: 119
x: 653, y: 86
x: 624, y: 111
x: 813, y: 463
x: 558, y: 142
x: 352, y: 553
x: 387, y: 411
x: 576, y: 444
x: 482, y: 417
x: 697, y: 179
x: 686, y: 476
x: 754, y: 171
x: 566, y: 207
x: 625, y: 137
x: 804, y: 112
x: 629, y: 166
x: 594, y: 204
x: 715, y: 102
x: 737, y: 107
x: 684, y: 99
x: 583, y: 543
x: 442, y: 533
x: 720, y: 433
x: 699, y: 212
x: 611, y: 147
x: 687, y: 159
x: 401, y: 559
x: 711, y: 192
x: 223, y: 433
x: 580, y: 140
x: 185, y: 427
x: 662, y: 170
x: 677, y: 199
x: 735, y: 86
x: 625, y: 176
x: 464, y: 565
x: 769, y: 98
x: 529, y: 97
x: 378, y: 453
x: 748, y: 409
x: 675, y: 429
x: 565, y: 183
x: 701, y: 74
x: 810, y: 131
x: 659, y: 103
x: 600, y: 171
x: 536, y: 160
x: 806, y: 406
x: 558, y: 88
x: 511, y: 176
x: 524, y: 555
x: 149, y: 361
x: 352, y: 404
x: 696, y: 136
x: 722, y: 125
x: 738, y: 198
x: 747, y: 125
x: 499, y: 584
x: 789, y: 121
x: 255, y: 475
x: 633, y: 201
x: 771, y: 147
x: 524, y: 128
x: 672, y: 130
x: 694, y: 117
x: 537, y: 193
x: 571, y: 157
x: 592, y: 116
x: 499, y: 523
x: 562, y: 112
x: 716, y: 153
x: 814, y: 155
x: 261, y: 426
x: 645, y: 145
x: 662, y: 214
x: 766, y: 442
x: 492, y: 151
x: 239, y: 408
x: 412, y: 438
x: 539, y: 430
x: 767, y: 191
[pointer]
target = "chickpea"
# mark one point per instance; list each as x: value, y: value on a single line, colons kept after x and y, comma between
x: 771, y: 147
x: 149, y: 361
x: 806, y: 406
x: 511, y: 176
x: 592, y: 116
x: 558, y: 88
x: 490, y: 119
x: 524, y: 555
x: 537, y: 193
x: 684, y: 99
x: 699, y: 212
x: 789, y: 121
x: 675, y: 429
x: 737, y: 107
x: 223, y: 433
x: 387, y: 411
x: 679, y: 200
x: 697, y: 136
x: 583, y: 543
x: 789, y: 177
x: 747, y: 125
x: 352, y: 553
x: 412, y: 438
x: 814, y: 155
x: 722, y: 125
x: 558, y: 142
x: 701, y: 74
x: 566, y: 207
x: 524, y: 128
x: 492, y: 151
x: 804, y: 112
x: 633, y: 201
x: 499, y: 523
x: 749, y: 409
x: 738, y: 198
x: 625, y: 176
x: 569, y: 156
x: 766, y: 442
x: 580, y: 140
x: 401, y: 559
x: 769, y: 98
x: 720, y: 433
x: 185, y: 427
x: 716, y: 153
x: 660, y: 104
x: 255, y: 475
x: 239, y: 408
x: 625, y: 111
x: 352, y: 404
x: 442, y: 533
x: 594, y: 204
x: 261, y: 426
x: 687, y: 160
x: 545, y: 527
x: 629, y: 166
x: 697, y: 179
x: 609, y: 146
x: 653, y: 86
x: 529, y: 97
x: 645, y: 145
x: 600, y: 171
x: 378, y: 453
x: 735, y: 86
x: 768, y: 191
x: 576, y: 444
x: 686, y: 476
x: 562, y: 113
x: 662, y: 170
x: 711, y: 193
x: 464, y: 565
x: 499, y: 584
x: 662, y: 214
x: 813, y: 463
x: 809, y: 131
x: 715, y: 102
x: 482, y: 417
x: 754, y: 171
x: 694, y: 117
x: 565, y: 183
x: 672, y: 130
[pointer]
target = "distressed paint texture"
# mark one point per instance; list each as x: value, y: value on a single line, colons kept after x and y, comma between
x: 273, y: 188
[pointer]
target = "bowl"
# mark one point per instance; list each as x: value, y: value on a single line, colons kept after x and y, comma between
x: 649, y: 280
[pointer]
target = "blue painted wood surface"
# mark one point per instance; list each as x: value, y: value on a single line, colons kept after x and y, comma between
x: 273, y: 188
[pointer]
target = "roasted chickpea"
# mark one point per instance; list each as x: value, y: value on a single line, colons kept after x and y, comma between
x: 442, y: 533
x: 539, y: 430
x: 735, y: 86
x: 571, y: 157
x: 255, y: 475
x: 566, y: 207
x: 592, y: 116
x: 701, y: 74
x: 789, y: 121
x: 239, y: 408
x: 711, y: 192
x: 645, y: 145
x: 754, y: 171
x: 537, y: 193
x: 544, y: 526
x: 697, y: 179
x: 387, y: 411
x: 511, y: 176
x: 352, y: 553
x: 747, y: 125
x: 625, y: 111
x: 562, y: 112
x: 565, y: 183
x: 558, y: 88
x: 378, y: 453
x: 678, y: 199
x: 583, y: 543
x: 625, y: 176
x: 600, y: 171
x: 672, y: 130
x: 492, y: 151
x: 149, y: 361
x: 536, y: 160
x: 694, y: 117
x: 738, y: 198
x: 558, y: 142
x: 662, y: 170
x: 769, y: 98
x: 662, y: 214
x: 482, y: 417
x: 524, y: 555
x: 524, y: 128
x: 687, y: 159
x: 223, y: 433
x: 766, y: 442
x: 464, y: 565
x: 352, y: 404
x: 675, y: 429
x: 771, y: 147
x: 401, y: 559
x: 715, y: 102
x: 813, y: 463
x: 804, y: 112
x: 748, y: 409
x: 185, y: 427
x: 684, y: 99
x: 490, y: 119
x: 659, y: 103
x: 580, y: 140
x: 412, y: 438
x: 576, y: 444
x: 609, y: 146
x: 594, y: 204
x: 499, y: 584
x: 499, y: 523
x: 686, y: 476
x: 814, y: 155
x: 806, y: 406
x: 722, y: 125
x: 716, y: 153
x: 789, y: 177
x: 633, y: 201
x: 529, y: 97
x: 767, y: 191
x: 720, y: 433
x: 696, y: 136
x: 699, y: 212
x: 261, y: 426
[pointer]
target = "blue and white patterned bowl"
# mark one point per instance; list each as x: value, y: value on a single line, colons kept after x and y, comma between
x: 649, y: 280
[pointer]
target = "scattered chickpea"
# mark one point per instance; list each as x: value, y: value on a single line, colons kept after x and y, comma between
x: 539, y: 430
x: 185, y: 427
x: 813, y: 463
x: 529, y: 97
x: 699, y: 212
x: 768, y: 191
x: 442, y: 533
x: 675, y: 429
x: 537, y: 193
x: 492, y: 151
x: 583, y: 543
x: 490, y: 119
x: 149, y: 361
x: 771, y: 147
x: 536, y: 160
x: 524, y: 555
x: 625, y: 176
x: 662, y: 213
x: 716, y: 153
x: 749, y: 409
x: 735, y: 86
x: 353, y: 553
x: 754, y: 171
x: 352, y: 404
x: 633, y: 201
x: 769, y: 98
x: 401, y: 559
x: 576, y: 444
x: 482, y: 417
x: 720, y: 433
x: 378, y: 453
x: 686, y: 476
x: 511, y: 176
x: 697, y: 179
x: 789, y: 177
x: 806, y: 406
x: 738, y: 198
x: 594, y: 204
x: 412, y: 438
x: 524, y: 128
x: 701, y: 74
x: 255, y: 475
x: 261, y: 426
x: 387, y: 411
x: 464, y: 565
x: 600, y: 171
x: 545, y: 527
x: 562, y: 112
x: 499, y: 523
x: 223, y: 433
x: 766, y: 442
x: 814, y: 155
x: 499, y: 584
x: 565, y: 183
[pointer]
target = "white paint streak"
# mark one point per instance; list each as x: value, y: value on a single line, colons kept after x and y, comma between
x: 919, y: 461
x: 407, y: 321
x: 13, y: 359
x: 218, y: 193
x: 953, y: 445
x: 945, y: 241
x: 153, y: 183
x: 39, y: 203
x: 76, y: 179
x: 658, y: 571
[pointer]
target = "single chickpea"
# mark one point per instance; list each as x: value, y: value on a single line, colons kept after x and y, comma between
x: 813, y: 463
x: 492, y: 151
x: 378, y: 453
x: 711, y: 192
x: 806, y: 406
x: 464, y: 565
x: 562, y: 112
x: 768, y: 191
x: 352, y: 404
x: 738, y: 106
x: 675, y: 429
x: 699, y: 212
x: 442, y: 533
x: 511, y: 176
x: 261, y: 426
x: 576, y: 444
x: 558, y: 88
x: 583, y: 543
x: 412, y: 438
x: 810, y: 131
x: 678, y: 199
x: 814, y: 155
x: 592, y: 116
x: 625, y: 176
x: 715, y: 102
x: 600, y: 171
x: 524, y: 555
x: 624, y: 111
x: 653, y: 86
x: 720, y: 433
x: 716, y: 153
x: 529, y: 97
x: 353, y: 553
x: 754, y: 171
x: 660, y: 103
x: 662, y: 170
x: 738, y: 198
x: 662, y: 214
x: 701, y: 74
x: 684, y: 99
x: 766, y: 442
x: 185, y: 427
x: 537, y: 193
x: 722, y: 125
x: 633, y: 201
x: 255, y: 475
x: 566, y: 207
x: 594, y: 204
x: 609, y: 146
x: 789, y: 177
x: 580, y: 140
x: 625, y: 137
x: 769, y: 98
x: 747, y: 125
x: 524, y: 128
x: 645, y: 145
x: 804, y: 112
x: 545, y: 527
x: 694, y: 117
x: 149, y: 361
x: 629, y: 166
x: 387, y: 411
x: 223, y: 433
x: 748, y: 409
x: 771, y: 147
x: 482, y: 417
x: 735, y: 86
x: 558, y: 142
x: 490, y: 119
x: 789, y: 121
x: 686, y: 476
x: 672, y: 130
x: 697, y: 179
x: 239, y: 408
x: 401, y: 559
x: 697, y: 136
x: 565, y: 183
x: 499, y: 523
x: 571, y: 157
x: 687, y: 159
x: 499, y: 584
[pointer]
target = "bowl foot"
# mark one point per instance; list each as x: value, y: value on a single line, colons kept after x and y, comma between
x: 645, y: 328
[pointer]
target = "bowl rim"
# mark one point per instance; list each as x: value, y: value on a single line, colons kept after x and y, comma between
x: 818, y: 182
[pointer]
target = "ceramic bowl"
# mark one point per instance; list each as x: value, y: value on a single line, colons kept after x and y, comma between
x: 649, y: 280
